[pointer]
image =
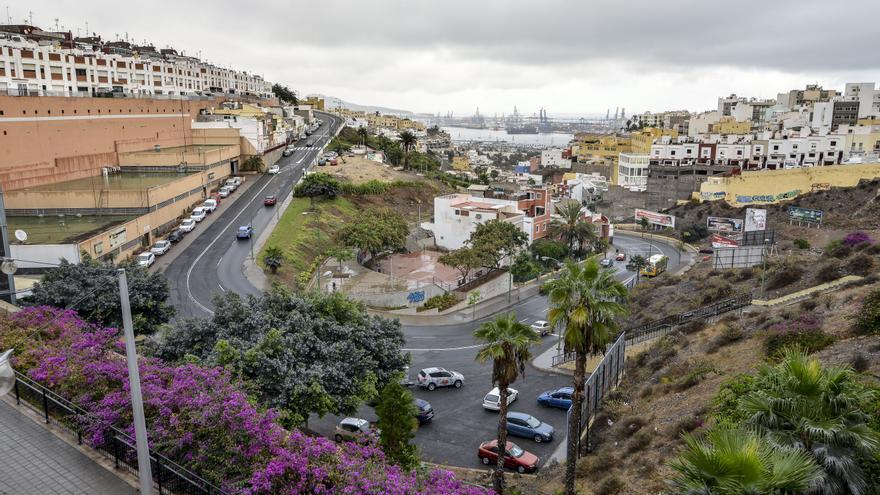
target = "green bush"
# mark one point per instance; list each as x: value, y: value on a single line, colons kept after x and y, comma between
x: 867, y: 320
x: 804, y: 332
x: 375, y: 187
x: 440, y: 302
x: 785, y: 273
x: 801, y: 243
x: 837, y: 249
x: 611, y: 485
x: 725, y: 405
x: 828, y: 272
x: 860, y: 264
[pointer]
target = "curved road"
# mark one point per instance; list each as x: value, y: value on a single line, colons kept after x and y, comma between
x: 214, y: 261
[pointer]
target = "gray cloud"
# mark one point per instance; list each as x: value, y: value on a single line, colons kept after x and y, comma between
x: 393, y: 48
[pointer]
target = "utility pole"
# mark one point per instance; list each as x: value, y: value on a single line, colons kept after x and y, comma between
x: 145, y: 473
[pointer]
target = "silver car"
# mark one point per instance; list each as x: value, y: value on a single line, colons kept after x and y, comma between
x: 431, y: 378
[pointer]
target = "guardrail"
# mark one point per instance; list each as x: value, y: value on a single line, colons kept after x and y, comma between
x: 168, y: 477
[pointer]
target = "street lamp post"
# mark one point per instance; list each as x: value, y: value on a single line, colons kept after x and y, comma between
x: 764, y: 267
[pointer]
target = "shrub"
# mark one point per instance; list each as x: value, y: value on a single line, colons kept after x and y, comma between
x: 809, y: 304
x: 696, y: 372
x: 440, y: 302
x: 837, y: 249
x: 592, y: 465
x: 804, y: 332
x: 725, y: 405
x: 860, y: 264
x: 785, y: 273
x: 873, y: 249
x: 686, y: 424
x: 801, y: 243
x: 639, y: 442
x: 854, y: 239
x: 859, y: 362
x: 746, y: 274
x: 730, y: 333
x: 867, y: 319
x: 611, y: 485
x: 828, y: 271
x: 693, y: 326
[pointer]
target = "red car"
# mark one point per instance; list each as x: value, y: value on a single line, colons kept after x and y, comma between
x: 269, y: 201
x: 620, y: 257
x: 515, y: 458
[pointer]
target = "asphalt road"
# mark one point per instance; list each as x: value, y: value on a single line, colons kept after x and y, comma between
x: 460, y: 423
x: 213, y: 262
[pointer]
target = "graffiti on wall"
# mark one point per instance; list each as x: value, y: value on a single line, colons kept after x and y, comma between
x: 416, y: 296
x: 712, y: 196
x: 767, y: 198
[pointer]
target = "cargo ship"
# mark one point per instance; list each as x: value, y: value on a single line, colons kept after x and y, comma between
x: 522, y: 129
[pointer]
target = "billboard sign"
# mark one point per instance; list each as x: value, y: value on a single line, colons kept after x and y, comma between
x: 655, y: 218
x: 805, y: 214
x: 756, y: 219
x: 719, y: 241
x: 721, y: 224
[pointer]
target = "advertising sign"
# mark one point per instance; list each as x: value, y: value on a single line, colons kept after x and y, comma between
x: 719, y: 241
x: 655, y: 218
x: 805, y: 214
x: 721, y: 224
x: 756, y: 219
x: 117, y: 237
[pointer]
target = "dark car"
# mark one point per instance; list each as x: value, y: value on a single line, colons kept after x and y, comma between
x: 309, y: 144
x: 560, y: 398
x: 424, y: 411
x: 244, y: 232
x: 514, y: 457
x: 269, y: 201
x: 527, y: 426
x: 606, y: 263
x: 706, y: 251
x: 176, y: 235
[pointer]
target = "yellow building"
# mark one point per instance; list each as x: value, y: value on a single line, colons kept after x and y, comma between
x: 589, y: 147
x: 773, y: 186
x: 868, y: 143
x: 461, y: 163
x: 315, y: 102
x: 410, y: 125
x: 729, y: 125
x: 642, y: 140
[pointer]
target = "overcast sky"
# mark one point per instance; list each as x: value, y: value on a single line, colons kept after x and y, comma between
x: 572, y: 56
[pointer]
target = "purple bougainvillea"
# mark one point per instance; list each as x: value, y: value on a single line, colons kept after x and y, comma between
x: 201, y: 417
x: 855, y: 238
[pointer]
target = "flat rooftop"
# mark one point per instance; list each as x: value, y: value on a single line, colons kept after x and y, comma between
x: 123, y: 181
x: 64, y: 229
x: 190, y: 148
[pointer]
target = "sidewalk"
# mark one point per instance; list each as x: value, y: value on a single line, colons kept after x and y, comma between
x: 35, y: 461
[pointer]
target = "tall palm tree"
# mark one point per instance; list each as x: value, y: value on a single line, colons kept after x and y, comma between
x: 363, y: 133
x: 506, y: 342
x: 571, y: 227
x: 407, y: 143
x: 584, y: 303
x: 803, y: 406
x: 734, y: 462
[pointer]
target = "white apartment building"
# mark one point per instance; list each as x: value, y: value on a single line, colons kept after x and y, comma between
x: 632, y: 171
x: 649, y: 119
x: 867, y: 96
x: 553, y: 158
x: 27, y: 67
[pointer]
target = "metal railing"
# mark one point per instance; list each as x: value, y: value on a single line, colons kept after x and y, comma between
x: 168, y: 477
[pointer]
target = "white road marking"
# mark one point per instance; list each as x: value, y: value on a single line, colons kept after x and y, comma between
x: 445, y: 349
x: 221, y: 287
x: 524, y: 319
x: 220, y: 261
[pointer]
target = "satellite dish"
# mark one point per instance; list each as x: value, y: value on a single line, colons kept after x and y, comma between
x: 21, y: 235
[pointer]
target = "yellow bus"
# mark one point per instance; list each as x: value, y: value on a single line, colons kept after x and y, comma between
x: 656, y: 265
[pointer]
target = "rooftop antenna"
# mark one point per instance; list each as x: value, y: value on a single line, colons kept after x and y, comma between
x: 56, y: 24
x: 31, y: 17
x: 8, y: 18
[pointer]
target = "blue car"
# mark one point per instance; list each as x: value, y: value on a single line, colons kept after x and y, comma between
x: 524, y: 425
x: 424, y: 411
x: 244, y: 232
x: 557, y: 398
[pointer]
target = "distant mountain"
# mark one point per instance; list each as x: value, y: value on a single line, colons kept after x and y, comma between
x: 334, y: 102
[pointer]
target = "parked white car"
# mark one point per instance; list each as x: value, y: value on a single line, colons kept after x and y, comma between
x: 274, y: 169
x: 224, y: 192
x: 231, y: 184
x: 431, y: 378
x: 160, y: 247
x: 198, y: 214
x: 210, y: 205
x: 187, y: 225
x: 542, y: 327
x: 146, y: 259
x: 492, y: 400
x: 238, y: 181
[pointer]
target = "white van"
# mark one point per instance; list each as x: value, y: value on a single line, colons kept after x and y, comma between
x: 210, y: 205
x: 198, y: 214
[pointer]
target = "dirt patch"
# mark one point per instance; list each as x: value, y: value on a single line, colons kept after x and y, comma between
x: 358, y: 169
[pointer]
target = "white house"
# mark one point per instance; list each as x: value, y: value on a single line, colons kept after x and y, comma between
x: 553, y: 158
x: 632, y: 171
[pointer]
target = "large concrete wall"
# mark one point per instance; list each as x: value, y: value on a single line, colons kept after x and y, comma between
x: 773, y: 186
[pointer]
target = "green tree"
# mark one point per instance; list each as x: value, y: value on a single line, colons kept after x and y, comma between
x: 273, y: 258
x: 549, y: 248
x: 636, y: 263
x: 801, y: 405
x: 363, y: 133
x: 524, y: 268
x: 397, y: 422
x: 317, y: 185
x: 497, y: 240
x: 584, y: 302
x: 285, y: 94
x: 643, y: 223
x: 375, y: 230
x: 571, y: 228
x: 463, y: 259
x: 302, y: 354
x: 735, y: 462
x: 253, y: 163
x: 341, y: 254
x: 93, y: 285
x: 506, y: 342
x: 867, y: 321
x: 407, y: 143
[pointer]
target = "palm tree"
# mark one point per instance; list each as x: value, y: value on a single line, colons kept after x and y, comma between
x: 802, y: 406
x: 571, y: 228
x: 507, y: 342
x: 584, y: 301
x: 363, y: 133
x: 407, y: 142
x: 636, y: 263
x: 273, y: 258
x: 734, y: 462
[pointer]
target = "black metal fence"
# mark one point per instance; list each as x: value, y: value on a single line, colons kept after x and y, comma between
x: 602, y: 380
x: 168, y: 477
